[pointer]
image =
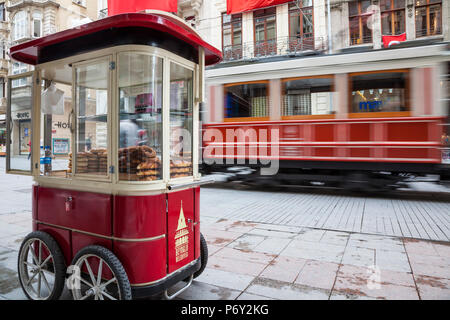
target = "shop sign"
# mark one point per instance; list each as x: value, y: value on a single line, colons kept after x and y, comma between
x: 22, y: 115
x: 61, y: 146
x: 61, y: 125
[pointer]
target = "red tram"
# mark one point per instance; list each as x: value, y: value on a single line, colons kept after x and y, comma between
x: 116, y: 200
x: 365, y: 120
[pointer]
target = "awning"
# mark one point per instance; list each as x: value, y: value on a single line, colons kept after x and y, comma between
x: 164, y: 23
x: 131, y: 6
x: 237, y: 6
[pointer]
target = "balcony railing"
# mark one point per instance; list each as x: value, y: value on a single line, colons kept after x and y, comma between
x: 270, y: 48
x: 424, y: 33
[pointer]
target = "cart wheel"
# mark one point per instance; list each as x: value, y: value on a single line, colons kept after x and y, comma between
x: 203, y: 255
x: 102, y: 276
x: 41, y: 267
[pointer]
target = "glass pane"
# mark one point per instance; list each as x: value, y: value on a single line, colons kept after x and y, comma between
x: 92, y: 119
x: 385, y: 5
x: 227, y: 36
x: 399, y: 4
x: 379, y: 92
x: 294, y: 25
x: 353, y: 8
x: 237, y: 34
x: 55, y: 135
x: 307, y: 3
x: 365, y: 4
x: 399, y: 21
x: 367, y: 33
x: 435, y: 19
x: 307, y: 96
x: 271, y: 31
x: 386, y: 23
x: 181, y: 120
x: 246, y: 100
x: 421, y: 22
x: 307, y: 22
x: 20, y: 124
x: 354, y: 31
x: 141, y: 100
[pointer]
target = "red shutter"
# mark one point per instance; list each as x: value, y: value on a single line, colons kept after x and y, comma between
x: 236, y: 6
x: 131, y: 6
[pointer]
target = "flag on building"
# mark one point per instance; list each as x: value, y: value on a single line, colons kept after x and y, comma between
x: 237, y: 6
x: 130, y: 6
x: 389, y: 41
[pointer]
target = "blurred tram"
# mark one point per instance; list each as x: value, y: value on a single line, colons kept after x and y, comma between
x: 366, y: 120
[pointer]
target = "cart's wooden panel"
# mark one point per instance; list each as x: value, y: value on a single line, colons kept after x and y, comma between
x: 180, y: 229
x: 88, y: 212
x: 144, y: 261
x: 139, y: 217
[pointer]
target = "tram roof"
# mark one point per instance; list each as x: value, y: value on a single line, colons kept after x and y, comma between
x: 37, y: 51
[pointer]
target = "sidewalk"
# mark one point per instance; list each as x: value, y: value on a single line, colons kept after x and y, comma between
x: 264, y: 261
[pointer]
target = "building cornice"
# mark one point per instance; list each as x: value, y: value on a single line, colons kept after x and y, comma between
x: 17, y: 5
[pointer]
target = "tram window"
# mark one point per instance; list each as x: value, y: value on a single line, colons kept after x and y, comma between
x: 20, y: 125
x: 56, y: 134
x: 308, y: 96
x: 246, y: 100
x: 91, y: 90
x: 379, y: 92
x: 181, y: 120
x: 141, y: 102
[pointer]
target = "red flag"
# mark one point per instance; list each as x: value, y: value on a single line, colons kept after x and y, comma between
x: 389, y: 41
x: 131, y: 6
x: 237, y: 6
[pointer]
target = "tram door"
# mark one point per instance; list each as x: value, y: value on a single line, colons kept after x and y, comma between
x: 19, y: 124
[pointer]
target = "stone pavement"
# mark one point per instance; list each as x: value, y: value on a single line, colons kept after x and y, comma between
x: 400, y: 214
x: 257, y: 261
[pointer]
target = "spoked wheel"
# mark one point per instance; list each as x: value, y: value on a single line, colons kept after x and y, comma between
x: 101, y: 276
x: 41, y: 267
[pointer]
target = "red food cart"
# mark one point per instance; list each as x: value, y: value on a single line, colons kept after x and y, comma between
x: 112, y: 111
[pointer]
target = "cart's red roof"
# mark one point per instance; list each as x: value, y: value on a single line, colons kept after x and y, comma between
x: 28, y: 52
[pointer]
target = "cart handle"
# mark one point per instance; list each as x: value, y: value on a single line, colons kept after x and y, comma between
x: 190, y: 185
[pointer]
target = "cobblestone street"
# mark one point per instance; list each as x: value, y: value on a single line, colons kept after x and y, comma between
x: 290, y: 245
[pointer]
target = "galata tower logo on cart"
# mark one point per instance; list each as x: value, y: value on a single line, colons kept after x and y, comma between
x: 181, y: 238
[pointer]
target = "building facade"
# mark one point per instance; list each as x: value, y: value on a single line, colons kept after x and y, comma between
x: 264, y: 76
x: 25, y: 20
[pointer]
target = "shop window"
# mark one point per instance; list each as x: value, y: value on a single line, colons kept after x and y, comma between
x: 91, y: 154
x: 246, y: 100
x: 308, y: 96
x: 20, y: 25
x: 141, y: 102
x: 181, y: 121
x: 37, y: 25
x: 232, y: 36
x: 20, y: 130
x: 265, y: 31
x: 428, y: 17
x: 379, y: 92
x: 301, y: 25
x: 392, y: 17
x: 359, y: 15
